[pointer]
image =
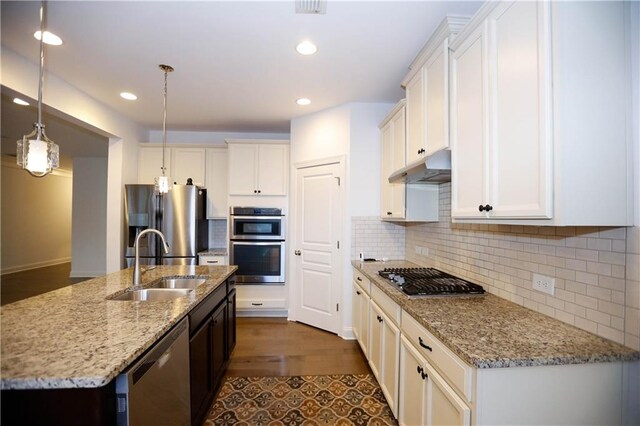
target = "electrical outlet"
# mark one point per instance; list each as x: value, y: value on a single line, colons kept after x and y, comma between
x: 361, y: 255
x: 544, y: 284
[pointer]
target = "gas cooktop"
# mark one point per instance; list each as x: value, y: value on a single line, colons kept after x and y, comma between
x: 424, y: 282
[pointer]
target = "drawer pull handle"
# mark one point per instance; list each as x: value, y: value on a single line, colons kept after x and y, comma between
x: 424, y: 376
x: 424, y: 345
x: 358, y: 293
x: 256, y: 304
x: 212, y: 261
x: 358, y: 278
x: 419, y: 369
x: 379, y: 318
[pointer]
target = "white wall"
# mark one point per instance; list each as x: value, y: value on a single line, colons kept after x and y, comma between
x: 635, y: 118
x: 89, y: 217
x: 73, y: 105
x: 349, y: 130
x: 208, y: 138
x: 36, y: 218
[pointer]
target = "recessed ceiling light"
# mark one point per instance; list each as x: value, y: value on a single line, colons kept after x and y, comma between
x: 20, y: 101
x: 306, y: 48
x: 303, y: 101
x: 49, y: 38
x: 128, y: 96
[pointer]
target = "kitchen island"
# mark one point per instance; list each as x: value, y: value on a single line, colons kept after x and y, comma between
x: 486, y: 360
x: 75, y: 340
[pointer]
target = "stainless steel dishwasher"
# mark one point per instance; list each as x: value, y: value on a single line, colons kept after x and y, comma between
x: 155, y: 390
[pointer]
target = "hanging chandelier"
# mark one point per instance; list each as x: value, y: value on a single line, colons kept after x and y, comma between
x: 36, y: 153
x: 163, y: 183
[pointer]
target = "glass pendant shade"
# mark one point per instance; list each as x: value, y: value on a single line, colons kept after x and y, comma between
x: 162, y: 184
x: 37, y: 154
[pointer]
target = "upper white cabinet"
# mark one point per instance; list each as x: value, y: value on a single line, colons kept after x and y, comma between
x: 258, y: 168
x: 150, y: 163
x: 539, y: 115
x: 188, y: 163
x: 216, y: 183
x: 427, y: 91
x: 392, y: 131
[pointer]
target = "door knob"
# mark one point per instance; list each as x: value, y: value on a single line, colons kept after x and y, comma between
x: 297, y: 252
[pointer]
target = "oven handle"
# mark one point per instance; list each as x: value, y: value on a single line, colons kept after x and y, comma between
x: 256, y: 217
x: 257, y: 243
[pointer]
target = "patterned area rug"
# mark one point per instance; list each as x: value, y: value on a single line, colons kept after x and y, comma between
x: 301, y: 400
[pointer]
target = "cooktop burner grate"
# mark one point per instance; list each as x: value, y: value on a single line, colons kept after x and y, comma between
x: 429, y: 282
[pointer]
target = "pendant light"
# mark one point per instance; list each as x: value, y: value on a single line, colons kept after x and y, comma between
x: 36, y: 153
x: 163, y: 183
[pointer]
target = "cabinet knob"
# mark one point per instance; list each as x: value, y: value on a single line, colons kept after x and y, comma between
x: 358, y: 293
x: 358, y: 278
x: 255, y: 191
x: 389, y: 213
x: 297, y: 252
x: 419, y: 369
x: 486, y: 208
x: 379, y: 318
x: 424, y: 376
x: 259, y: 191
x: 424, y: 345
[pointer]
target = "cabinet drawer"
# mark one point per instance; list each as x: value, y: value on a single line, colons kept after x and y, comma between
x: 389, y: 307
x: 212, y: 260
x: 204, y: 308
x: 260, y: 304
x: 457, y: 373
x: 362, y: 281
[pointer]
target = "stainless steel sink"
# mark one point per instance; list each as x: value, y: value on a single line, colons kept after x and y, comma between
x: 152, y: 294
x: 177, y: 283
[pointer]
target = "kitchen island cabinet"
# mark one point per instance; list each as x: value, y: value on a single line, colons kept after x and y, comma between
x: 61, y: 351
x: 485, y: 360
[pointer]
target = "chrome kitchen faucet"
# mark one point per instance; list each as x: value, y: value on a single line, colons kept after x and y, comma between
x: 136, y: 263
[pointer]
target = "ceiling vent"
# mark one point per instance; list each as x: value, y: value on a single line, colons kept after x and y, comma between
x: 318, y: 7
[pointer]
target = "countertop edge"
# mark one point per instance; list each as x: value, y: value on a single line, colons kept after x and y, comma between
x: 481, y: 363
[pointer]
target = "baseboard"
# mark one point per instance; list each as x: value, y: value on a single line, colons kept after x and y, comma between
x: 258, y: 313
x: 36, y: 265
x: 347, y: 333
x: 86, y: 274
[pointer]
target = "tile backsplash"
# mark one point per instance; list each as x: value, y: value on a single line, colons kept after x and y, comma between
x: 596, y: 269
x: 217, y: 233
x: 376, y: 239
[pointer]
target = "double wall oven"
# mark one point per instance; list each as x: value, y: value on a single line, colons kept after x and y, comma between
x: 257, y: 244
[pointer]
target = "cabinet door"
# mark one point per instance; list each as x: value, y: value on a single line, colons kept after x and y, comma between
x: 398, y: 155
x: 469, y: 154
x: 243, y: 160
x: 386, y: 194
x: 356, y: 310
x: 364, y: 322
x: 150, y: 163
x: 218, y: 343
x: 415, y: 117
x: 444, y: 407
x: 273, y: 166
x: 216, y: 183
x: 412, y: 386
x: 389, y: 373
x: 231, y: 323
x: 436, y: 92
x: 375, y: 339
x: 520, y: 137
x: 188, y: 163
x: 200, y: 370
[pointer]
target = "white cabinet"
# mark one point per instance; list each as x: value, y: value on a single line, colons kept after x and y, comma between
x: 425, y: 397
x: 216, y: 183
x: 188, y: 163
x: 150, y: 163
x: 361, y: 317
x: 427, y: 92
x: 258, y: 168
x: 536, y: 87
x: 392, y: 130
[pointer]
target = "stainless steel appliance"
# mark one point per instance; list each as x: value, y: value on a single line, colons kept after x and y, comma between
x: 155, y: 390
x: 425, y: 282
x: 257, y: 244
x: 180, y: 215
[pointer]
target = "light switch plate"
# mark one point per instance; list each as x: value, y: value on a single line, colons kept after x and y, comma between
x: 544, y: 284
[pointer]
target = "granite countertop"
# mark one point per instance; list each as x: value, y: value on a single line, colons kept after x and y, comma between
x: 214, y: 252
x: 491, y: 332
x: 74, y: 338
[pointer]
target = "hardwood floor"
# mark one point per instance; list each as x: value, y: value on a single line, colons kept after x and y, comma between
x: 277, y: 347
x: 21, y: 285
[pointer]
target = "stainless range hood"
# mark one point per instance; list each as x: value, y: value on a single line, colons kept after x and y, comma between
x: 435, y: 168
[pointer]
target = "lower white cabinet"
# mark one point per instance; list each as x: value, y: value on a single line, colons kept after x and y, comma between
x: 361, y: 317
x: 425, y: 397
x: 384, y: 350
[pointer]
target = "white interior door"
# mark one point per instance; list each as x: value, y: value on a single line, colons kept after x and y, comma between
x: 316, y: 260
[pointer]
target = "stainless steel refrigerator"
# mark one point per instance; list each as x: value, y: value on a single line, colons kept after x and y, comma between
x: 180, y: 215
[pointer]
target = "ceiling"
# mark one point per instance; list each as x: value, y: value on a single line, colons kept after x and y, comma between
x: 236, y: 65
